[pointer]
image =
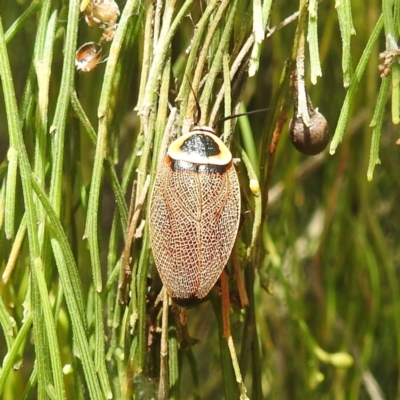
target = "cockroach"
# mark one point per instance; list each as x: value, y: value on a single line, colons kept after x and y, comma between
x: 194, y: 214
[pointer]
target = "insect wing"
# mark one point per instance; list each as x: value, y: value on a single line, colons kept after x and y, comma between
x: 219, y: 224
x: 167, y: 225
x: 194, y: 218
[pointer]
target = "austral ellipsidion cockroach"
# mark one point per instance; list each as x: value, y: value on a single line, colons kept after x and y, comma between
x: 194, y: 214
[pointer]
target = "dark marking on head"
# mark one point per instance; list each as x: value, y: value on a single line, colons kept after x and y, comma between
x: 202, y: 145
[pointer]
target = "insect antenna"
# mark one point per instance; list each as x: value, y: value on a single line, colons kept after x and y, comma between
x: 242, y: 114
x: 239, y: 115
x: 195, y: 98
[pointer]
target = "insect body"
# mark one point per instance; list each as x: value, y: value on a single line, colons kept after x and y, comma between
x: 88, y: 57
x: 194, y: 214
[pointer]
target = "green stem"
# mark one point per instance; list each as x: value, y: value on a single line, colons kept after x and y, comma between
x: 20, y: 21
x: 59, y: 122
x: 217, y: 63
x: 67, y: 270
x: 9, y: 361
x: 354, y: 84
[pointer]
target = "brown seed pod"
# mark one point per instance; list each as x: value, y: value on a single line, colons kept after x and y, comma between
x: 388, y: 57
x: 104, y: 13
x: 88, y: 57
x: 310, y: 140
x: 194, y: 214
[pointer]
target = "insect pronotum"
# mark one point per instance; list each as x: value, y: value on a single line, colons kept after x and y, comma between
x: 194, y: 214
